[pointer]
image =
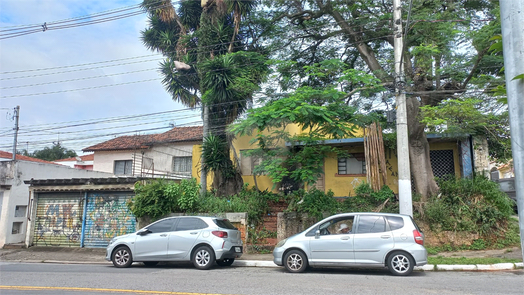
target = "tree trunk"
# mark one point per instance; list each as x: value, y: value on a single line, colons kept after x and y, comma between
x: 420, y: 163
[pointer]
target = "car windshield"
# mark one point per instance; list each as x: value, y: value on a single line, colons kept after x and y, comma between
x: 224, y: 223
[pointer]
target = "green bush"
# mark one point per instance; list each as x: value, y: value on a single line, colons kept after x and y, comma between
x: 468, y: 204
x: 154, y: 198
x: 367, y: 200
x: 313, y: 202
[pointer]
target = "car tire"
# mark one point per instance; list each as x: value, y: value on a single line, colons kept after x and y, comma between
x: 295, y: 261
x: 150, y: 263
x: 203, y: 257
x: 400, y: 263
x: 226, y: 261
x: 122, y: 257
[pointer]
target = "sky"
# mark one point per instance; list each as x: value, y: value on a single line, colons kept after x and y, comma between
x: 80, y: 85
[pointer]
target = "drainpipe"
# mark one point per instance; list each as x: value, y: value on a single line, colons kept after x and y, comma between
x: 82, y: 235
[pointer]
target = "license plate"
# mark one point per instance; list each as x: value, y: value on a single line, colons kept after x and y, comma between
x: 238, y: 249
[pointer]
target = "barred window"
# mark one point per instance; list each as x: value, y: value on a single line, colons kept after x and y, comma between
x: 353, y: 165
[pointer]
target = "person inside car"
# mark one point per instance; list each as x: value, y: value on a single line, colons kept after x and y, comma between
x: 344, y: 229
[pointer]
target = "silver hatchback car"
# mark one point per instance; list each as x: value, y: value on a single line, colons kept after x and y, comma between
x: 356, y: 239
x: 201, y: 240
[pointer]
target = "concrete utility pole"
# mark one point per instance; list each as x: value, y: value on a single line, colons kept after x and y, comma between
x: 205, y: 132
x: 512, y: 17
x: 404, y: 174
x: 16, y: 116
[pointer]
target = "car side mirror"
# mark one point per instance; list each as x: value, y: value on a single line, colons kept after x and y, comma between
x: 143, y: 232
x: 317, y: 234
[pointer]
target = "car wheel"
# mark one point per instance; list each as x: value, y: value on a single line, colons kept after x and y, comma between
x: 122, y: 257
x: 150, y: 263
x: 203, y: 257
x: 295, y: 261
x: 226, y: 261
x: 400, y: 263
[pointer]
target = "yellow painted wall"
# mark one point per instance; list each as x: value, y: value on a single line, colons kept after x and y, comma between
x: 341, y: 185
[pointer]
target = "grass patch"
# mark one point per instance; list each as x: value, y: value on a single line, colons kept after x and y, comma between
x: 465, y: 260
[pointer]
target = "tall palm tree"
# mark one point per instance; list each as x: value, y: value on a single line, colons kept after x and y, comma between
x: 222, y: 76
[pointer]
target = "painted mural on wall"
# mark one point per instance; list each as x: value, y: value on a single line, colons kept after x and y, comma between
x: 107, y: 216
x: 58, y: 222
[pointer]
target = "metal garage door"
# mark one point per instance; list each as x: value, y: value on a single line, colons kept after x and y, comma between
x: 58, y: 219
x: 107, y: 216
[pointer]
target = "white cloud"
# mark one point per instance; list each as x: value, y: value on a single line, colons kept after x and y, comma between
x: 113, y: 40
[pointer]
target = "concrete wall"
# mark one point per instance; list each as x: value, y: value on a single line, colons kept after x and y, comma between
x: 16, y: 192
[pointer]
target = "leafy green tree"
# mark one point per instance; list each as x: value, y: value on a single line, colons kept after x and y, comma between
x: 56, y: 152
x: 445, y: 57
x: 320, y: 112
x: 207, y: 64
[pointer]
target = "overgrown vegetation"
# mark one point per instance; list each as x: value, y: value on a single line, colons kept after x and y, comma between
x: 468, y: 214
x: 158, y: 198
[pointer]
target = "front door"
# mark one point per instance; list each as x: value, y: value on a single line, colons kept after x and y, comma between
x: 152, y: 246
x: 333, y: 243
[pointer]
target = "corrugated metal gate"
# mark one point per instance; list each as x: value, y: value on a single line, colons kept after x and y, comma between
x: 58, y: 219
x: 107, y: 216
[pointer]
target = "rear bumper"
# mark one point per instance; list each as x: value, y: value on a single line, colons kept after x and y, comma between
x: 230, y: 253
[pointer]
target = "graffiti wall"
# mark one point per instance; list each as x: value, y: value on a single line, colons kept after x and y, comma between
x: 58, y: 221
x: 107, y: 216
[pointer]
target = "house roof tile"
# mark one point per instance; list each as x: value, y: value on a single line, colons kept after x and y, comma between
x: 89, y: 157
x: 8, y: 155
x: 177, y: 134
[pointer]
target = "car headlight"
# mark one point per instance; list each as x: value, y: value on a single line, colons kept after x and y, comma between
x: 281, y: 243
x: 112, y: 241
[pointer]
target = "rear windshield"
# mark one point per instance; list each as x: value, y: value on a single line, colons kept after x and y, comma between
x: 224, y: 223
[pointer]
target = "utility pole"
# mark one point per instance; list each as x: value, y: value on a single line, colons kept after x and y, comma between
x: 16, y: 116
x: 205, y: 131
x: 404, y: 174
x: 512, y: 20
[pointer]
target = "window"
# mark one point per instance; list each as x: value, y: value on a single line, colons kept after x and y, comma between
x: 395, y: 222
x: 182, y: 164
x: 20, y: 211
x: 352, y: 165
x: 190, y: 223
x: 371, y: 224
x: 17, y: 227
x: 224, y: 223
x: 124, y: 167
x: 162, y: 226
x: 247, y: 164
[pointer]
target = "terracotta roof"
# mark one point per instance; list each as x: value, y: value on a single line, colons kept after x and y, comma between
x: 177, y: 134
x: 7, y: 155
x: 89, y: 157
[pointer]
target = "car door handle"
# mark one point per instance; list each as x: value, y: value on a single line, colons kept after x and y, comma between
x: 194, y: 233
x: 385, y: 237
x: 345, y: 238
x: 163, y: 235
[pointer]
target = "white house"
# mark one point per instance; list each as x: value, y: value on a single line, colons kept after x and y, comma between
x: 167, y: 154
x: 15, y: 196
x: 84, y: 162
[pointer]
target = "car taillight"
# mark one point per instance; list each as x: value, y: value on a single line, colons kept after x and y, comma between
x: 219, y: 233
x: 418, y: 237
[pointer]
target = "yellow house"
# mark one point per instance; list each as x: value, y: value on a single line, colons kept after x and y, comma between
x: 343, y: 175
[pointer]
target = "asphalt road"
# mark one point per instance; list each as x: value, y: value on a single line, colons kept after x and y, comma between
x: 179, y: 279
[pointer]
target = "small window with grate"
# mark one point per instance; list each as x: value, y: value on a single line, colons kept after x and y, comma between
x: 352, y: 165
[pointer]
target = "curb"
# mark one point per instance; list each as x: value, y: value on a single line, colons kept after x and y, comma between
x: 270, y: 264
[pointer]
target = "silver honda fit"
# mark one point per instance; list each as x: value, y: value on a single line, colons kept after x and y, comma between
x: 201, y: 240
x: 356, y: 239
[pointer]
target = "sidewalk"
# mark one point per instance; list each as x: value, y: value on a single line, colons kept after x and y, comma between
x: 97, y: 256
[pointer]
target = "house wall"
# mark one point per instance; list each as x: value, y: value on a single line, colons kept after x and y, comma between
x: 16, y: 192
x: 162, y: 156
